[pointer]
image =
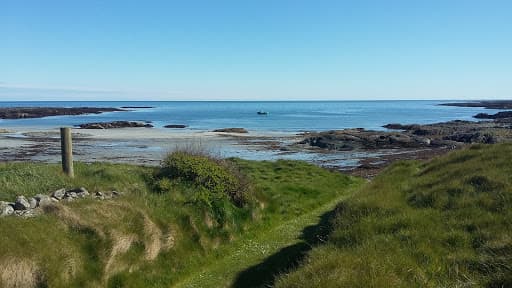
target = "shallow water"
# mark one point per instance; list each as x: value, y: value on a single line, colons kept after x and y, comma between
x: 291, y: 116
x: 283, y: 121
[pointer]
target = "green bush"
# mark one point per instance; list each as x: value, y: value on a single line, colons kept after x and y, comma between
x: 219, y: 177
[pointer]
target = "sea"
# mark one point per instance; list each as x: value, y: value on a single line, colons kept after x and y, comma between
x: 282, y: 116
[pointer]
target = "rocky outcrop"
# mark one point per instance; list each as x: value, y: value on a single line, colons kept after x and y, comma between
x: 499, y: 115
x: 115, y: 124
x: 231, y: 130
x: 39, y: 112
x: 33, y: 206
x: 137, y: 107
x: 354, y: 139
x: 497, y: 104
x: 179, y: 126
x: 446, y: 134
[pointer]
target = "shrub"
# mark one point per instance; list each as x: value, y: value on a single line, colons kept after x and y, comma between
x: 219, y: 177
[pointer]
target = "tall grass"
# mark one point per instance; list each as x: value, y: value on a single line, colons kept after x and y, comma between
x: 446, y: 223
x: 157, y: 233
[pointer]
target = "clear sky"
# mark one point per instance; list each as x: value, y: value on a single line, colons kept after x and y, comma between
x: 255, y: 49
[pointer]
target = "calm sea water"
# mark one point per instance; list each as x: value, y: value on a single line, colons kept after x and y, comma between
x: 292, y: 116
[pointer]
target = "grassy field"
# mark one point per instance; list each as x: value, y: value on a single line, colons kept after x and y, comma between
x: 446, y: 223
x: 164, y: 231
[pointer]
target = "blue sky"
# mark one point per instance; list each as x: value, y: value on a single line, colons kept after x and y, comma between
x: 255, y: 50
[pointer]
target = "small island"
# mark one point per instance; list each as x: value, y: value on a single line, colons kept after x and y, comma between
x: 40, y: 112
x: 497, y: 104
x: 115, y: 124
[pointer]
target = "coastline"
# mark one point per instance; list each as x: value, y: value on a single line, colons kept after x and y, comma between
x: 147, y: 146
x: 365, y: 156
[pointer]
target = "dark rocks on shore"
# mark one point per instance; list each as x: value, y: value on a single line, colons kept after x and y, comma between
x: 115, y: 124
x: 137, y: 107
x: 499, y: 115
x: 175, y: 126
x: 446, y: 134
x: 231, y: 130
x: 352, y: 139
x: 497, y: 104
x: 38, y: 112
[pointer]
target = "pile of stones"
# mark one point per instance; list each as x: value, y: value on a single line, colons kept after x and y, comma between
x: 33, y: 206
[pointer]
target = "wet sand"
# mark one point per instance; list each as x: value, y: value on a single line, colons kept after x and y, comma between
x: 148, y: 146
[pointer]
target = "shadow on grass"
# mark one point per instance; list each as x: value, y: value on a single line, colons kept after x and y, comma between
x: 263, y: 274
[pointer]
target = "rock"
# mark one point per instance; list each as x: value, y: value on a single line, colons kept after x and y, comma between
x: 78, y: 192
x: 59, y: 194
x: 25, y: 213
x: 351, y: 139
x: 43, y: 200
x: 82, y: 192
x: 397, y: 126
x: 231, y: 130
x: 5, y: 209
x: 54, y: 200
x: 33, y: 202
x: 71, y: 195
x: 115, y: 124
x: 175, y: 126
x: 499, y: 115
x: 21, y: 203
x: 116, y: 193
x: 99, y: 195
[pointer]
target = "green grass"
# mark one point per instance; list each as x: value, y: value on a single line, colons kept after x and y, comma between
x: 158, y: 234
x: 446, y: 223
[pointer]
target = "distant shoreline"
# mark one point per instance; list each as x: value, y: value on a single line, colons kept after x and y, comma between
x: 495, y: 104
x: 361, y: 152
x: 40, y: 112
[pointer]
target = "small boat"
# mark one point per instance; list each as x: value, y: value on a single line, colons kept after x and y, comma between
x: 262, y: 113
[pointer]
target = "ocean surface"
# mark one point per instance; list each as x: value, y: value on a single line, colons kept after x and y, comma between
x: 289, y: 116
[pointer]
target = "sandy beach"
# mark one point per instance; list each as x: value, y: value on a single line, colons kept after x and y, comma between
x: 148, y: 146
x: 141, y: 146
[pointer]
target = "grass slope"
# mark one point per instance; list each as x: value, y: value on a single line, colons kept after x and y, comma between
x: 158, y: 234
x: 446, y: 223
x: 257, y: 258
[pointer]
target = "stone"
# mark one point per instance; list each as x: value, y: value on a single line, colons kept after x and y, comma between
x: 59, y: 194
x: 43, y: 200
x: 231, y: 130
x: 178, y: 126
x: 71, y: 195
x: 33, y: 202
x: 24, y: 213
x: 115, y: 124
x: 54, y: 200
x: 82, y: 192
x: 5, y: 209
x: 21, y: 203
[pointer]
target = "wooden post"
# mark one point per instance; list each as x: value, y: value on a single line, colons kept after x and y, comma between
x: 67, y: 151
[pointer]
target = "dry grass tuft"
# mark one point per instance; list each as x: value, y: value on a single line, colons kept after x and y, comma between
x: 121, y: 243
x: 19, y: 273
